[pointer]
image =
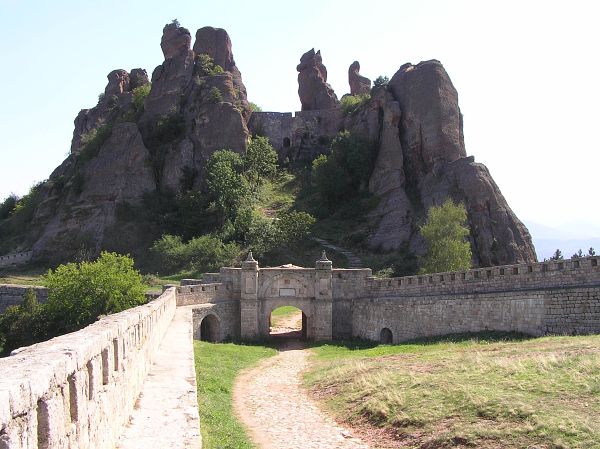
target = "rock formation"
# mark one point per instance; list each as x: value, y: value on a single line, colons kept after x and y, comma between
x: 139, y: 150
x: 125, y: 151
x: 315, y: 94
x: 358, y: 84
x: 422, y: 161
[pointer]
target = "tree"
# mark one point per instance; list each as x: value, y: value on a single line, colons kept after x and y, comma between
x: 260, y: 161
x: 292, y: 227
x: 591, y: 252
x: 225, y: 182
x: 557, y: 255
x: 444, y: 232
x: 79, y: 293
x: 577, y: 255
x: 22, y: 325
x: 381, y: 81
x: 254, y: 107
x: 8, y: 205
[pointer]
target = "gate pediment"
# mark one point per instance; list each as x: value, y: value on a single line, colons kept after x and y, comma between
x: 286, y: 283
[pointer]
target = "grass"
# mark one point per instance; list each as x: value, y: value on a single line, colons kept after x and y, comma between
x: 217, y: 366
x: 283, y: 314
x: 22, y: 277
x: 467, y: 392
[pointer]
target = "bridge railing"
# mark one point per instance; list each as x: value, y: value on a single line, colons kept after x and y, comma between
x: 78, y: 390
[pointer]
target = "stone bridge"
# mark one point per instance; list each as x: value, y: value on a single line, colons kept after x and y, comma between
x: 128, y: 380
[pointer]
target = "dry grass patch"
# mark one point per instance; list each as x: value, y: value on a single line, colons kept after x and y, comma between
x: 542, y: 393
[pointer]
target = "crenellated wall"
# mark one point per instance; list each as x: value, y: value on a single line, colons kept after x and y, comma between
x: 79, y: 389
x: 15, y: 259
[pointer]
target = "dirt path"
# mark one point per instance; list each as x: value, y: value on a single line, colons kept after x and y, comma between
x: 286, y: 324
x: 271, y: 403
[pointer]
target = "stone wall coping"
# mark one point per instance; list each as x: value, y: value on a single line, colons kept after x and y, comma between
x: 24, y: 287
x: 33, y: 372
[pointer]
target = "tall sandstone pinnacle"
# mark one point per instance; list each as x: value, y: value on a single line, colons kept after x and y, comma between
x: 315, y: 93
x: 358, y: 84
x: 421, y: 161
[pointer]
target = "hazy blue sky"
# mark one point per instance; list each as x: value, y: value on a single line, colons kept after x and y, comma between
x: 527, y: 74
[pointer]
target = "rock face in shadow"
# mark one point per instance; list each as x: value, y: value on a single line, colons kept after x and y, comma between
x: 417, y: 125
x: 315, y: 93
x: 123, y: 150
x: 358, y: 84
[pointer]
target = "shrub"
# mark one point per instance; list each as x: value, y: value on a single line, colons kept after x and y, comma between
x: 445, y: 232
x: 8, y: 206
x: 381, y: 81
x: 169, y: 249
x: 351, y: 103
x: 139, y: 95
x: 254, y: 107
x: 92, y: 141
x: 293, y: 227
x: 260, y: 161
x: 23, y: 325
x: 215, y: 95
x: 225, y: 182
x: 79, y: 293
x: 205, y: 66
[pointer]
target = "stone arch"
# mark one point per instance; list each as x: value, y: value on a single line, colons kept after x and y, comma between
x: 210, y: 328
x: 304, y: 326
x: 385, y: 336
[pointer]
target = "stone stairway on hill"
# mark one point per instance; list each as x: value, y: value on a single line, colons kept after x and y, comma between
x: 353, y: 260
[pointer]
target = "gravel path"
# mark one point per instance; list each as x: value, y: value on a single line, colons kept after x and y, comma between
x: 271, y: 403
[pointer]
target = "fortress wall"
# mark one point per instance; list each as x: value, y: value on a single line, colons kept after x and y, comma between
x: 568, y: 310
x: 12, y: 295
x: 79, y: 389
x: 9, y: 260
x: 347, y: 284
x: 410, y: 318
x: 197, y: 294
x: 228, y: 316
x: 584, y: 271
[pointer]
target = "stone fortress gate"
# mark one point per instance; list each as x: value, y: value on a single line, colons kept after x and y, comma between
x: 557, y: 297
x: 97, y: 387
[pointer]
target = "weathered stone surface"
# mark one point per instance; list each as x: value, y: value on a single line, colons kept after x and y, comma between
x: 175, y: 41
x: 431, y: 125
x: 137, y: 78
x: 358, y: 84
x: 118, y: 82
x: 314, y: 92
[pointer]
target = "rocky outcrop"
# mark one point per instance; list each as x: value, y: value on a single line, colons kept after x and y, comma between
x: 421, y: 161
x: 358, y: 84
x: 314, y: 92
x: 175, y: 41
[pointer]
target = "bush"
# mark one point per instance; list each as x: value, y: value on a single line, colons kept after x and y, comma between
x: 79, y: 293
x: 381, y: 81
x: 201, y: 254
x: 93, y: 141
x: 260, y: 161
x: 351, y: 103
x: 8, y: 206
x: 254, y: 107
x: 205, y: 66
x: 226, y: 183
x: 215, y: 95
x: 139, y: 95
x: 22, y: 325
x: 445, y: 232
x: 293, y: 227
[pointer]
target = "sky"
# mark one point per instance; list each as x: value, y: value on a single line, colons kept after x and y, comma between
x: 527, y: 75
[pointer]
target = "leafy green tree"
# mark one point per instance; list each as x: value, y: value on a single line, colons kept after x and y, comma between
x: 260, y: 161
x: 79, y: 293
x: 226, y: 183
x: 254, y: 107
x: 293, y: 227
x: 23, y: 325
x: 8, y: 205
x: 381, y: 81
x: 139, y: 95
x: 445, y: 232
x: 209, y: 253
x: 591, y: 252
x: 351, y: 103
x: 577, y: 255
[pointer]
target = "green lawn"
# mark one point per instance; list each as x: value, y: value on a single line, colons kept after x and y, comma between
x: 542, y: 393
x: 217, y: 366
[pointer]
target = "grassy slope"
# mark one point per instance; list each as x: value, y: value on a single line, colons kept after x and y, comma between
x: 217, y: 365
x: 541, y: 393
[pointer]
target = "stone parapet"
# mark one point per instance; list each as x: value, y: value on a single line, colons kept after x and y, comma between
x: 79, y: 389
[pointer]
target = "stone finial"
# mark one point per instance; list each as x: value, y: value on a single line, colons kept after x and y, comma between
x: 324, y: 257
x: 249, y: 257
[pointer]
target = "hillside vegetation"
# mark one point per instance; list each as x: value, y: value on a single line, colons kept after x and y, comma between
x: 467, y: 392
